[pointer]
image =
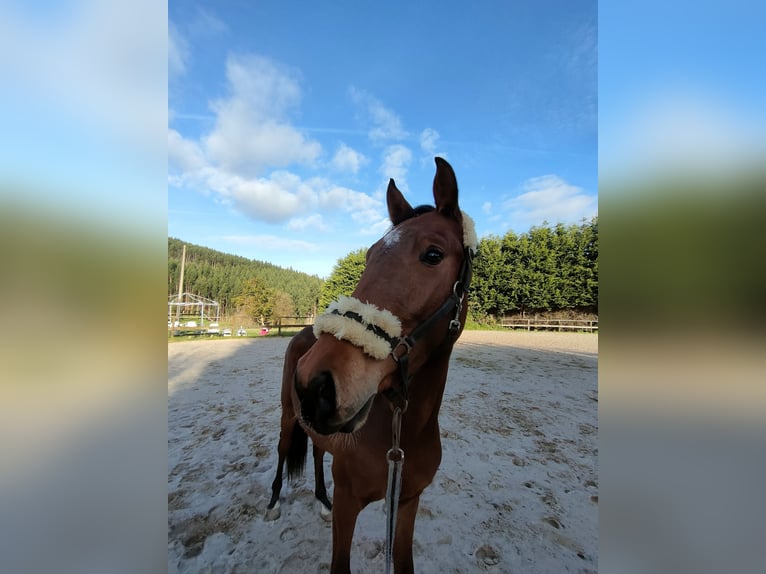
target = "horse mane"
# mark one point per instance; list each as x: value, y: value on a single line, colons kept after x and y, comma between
x: 421, y: 209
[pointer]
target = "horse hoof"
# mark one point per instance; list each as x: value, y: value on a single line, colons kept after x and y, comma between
x: 272, y: 513
x: 325, y: 513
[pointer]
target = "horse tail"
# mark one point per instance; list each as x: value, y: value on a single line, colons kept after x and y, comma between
x: 296, y: 452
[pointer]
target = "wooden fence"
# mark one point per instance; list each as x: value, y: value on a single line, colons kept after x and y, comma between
x: 291, y: 323
x: 528, y: 324
x: 551, y: 324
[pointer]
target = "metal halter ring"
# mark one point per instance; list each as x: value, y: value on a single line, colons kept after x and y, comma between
x: 458, y: 284
x: 395, y: 455
x: 407, y: 348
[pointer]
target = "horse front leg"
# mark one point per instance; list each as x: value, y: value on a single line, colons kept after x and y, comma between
x: 345, y: 511
x: 405, y: 528
x: 272, y: 510
x: 285, y: 438
x: 320, y: 490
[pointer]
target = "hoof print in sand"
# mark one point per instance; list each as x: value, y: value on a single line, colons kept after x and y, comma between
x: 487, y: 556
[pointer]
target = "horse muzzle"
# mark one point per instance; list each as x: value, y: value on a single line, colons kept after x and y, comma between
x: 317, y: 402
x: 319, y: 409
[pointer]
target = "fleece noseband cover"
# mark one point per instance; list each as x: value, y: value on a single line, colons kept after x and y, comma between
x: 361, y: 324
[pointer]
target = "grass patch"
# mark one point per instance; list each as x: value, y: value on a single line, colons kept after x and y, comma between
x: 472, y: 324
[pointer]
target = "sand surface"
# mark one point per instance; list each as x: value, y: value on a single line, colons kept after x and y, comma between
x: 517, y: 490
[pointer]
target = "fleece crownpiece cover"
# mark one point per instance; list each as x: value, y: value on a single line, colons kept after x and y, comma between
x: 470, y: 241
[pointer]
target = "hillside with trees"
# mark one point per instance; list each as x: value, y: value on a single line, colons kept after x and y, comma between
x: 546, y: 270
x: 257, y: 289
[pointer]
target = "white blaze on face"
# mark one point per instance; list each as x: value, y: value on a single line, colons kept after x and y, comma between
x: 392, y: 237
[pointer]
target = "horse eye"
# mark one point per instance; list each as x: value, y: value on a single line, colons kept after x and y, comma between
x: 432, y: 256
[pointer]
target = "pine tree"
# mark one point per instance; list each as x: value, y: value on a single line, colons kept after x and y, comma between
x: 343, y: 278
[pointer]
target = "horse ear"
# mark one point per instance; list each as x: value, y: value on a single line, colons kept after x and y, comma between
x: 398, y: 207
x: 445, y: 189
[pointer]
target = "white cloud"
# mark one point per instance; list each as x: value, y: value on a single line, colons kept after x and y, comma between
x: 252, y: 132
x: 377, y: 228
x: 315, y: 221
x: 272, y: 199
x: 178, y: 52
x: 272, y: 242
x: 338, y: 197
x: 396, y: 160
x: 279, y: 196
x: 242, y: 160
x: 363, y: 208
x: 429, y: 140
x: 197, y: 30
x: 265, y: 89
x: 205, y: 24
x: 386, y: 125
x: 347, y: 159
x: 487, y: 207
x: 250, y: 148
x: 549, y: 198
x: 183, y: 154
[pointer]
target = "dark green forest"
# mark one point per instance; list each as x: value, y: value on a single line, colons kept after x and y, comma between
x: 548, y: 269
x: 225, y: 278
x: 544, y: 270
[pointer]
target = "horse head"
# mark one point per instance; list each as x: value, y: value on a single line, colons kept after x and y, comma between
x: 410, y: 273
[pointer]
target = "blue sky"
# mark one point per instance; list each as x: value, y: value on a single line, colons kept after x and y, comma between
x: 285, y: 124
x: 93, y: 111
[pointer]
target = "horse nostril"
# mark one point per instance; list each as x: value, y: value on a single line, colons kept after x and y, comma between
x: 325, y: 390
x: 318, y: 400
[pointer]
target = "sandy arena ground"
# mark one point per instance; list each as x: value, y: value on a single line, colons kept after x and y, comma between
x: 517, y: 490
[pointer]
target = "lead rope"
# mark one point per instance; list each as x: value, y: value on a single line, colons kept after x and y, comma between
x: 395, y: 457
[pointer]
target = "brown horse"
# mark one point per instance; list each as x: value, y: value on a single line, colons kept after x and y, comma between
x: 386, y: 346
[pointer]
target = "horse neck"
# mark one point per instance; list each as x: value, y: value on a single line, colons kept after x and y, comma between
x: 427, y: 385
x: 427, y: 389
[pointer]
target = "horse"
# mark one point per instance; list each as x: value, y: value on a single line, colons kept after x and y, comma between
x: 381, y: 353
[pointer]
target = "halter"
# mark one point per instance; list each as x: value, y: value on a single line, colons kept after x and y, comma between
x: 379, y: 333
